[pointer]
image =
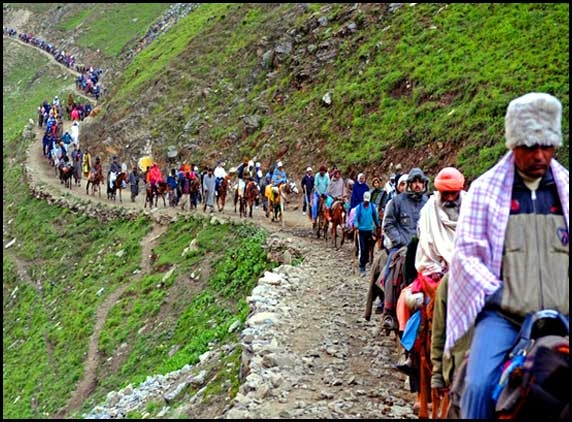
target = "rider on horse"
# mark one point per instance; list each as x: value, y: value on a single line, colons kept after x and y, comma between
x: 114, y: 170
x: 436, y: 231
x: 155, y: 176
x: 219, y: 174
x: 511, y: 254
x: 336, y: 191
x: 321, y: 183
x: 279, y: 175
x: 242, y: 173
x: 400, y: 231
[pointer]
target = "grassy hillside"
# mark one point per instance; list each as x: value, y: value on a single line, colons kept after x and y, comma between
x: 426, y: 85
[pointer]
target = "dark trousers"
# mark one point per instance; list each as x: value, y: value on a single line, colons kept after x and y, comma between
x: 365, y: 240
x: 307, y: 202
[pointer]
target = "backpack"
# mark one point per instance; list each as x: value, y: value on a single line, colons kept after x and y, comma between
x: 535, y: 382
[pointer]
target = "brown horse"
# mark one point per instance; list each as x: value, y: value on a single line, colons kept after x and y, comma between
x: 116, y: 185
x: 238, y: 194
x: 95, y: 179
x: 321, y: 221
x: 66, y: 173
x: 422, y: 355
x: 152, y: 194
x: 338, y: 214
x: 251, y: 192
x: 222, y: 191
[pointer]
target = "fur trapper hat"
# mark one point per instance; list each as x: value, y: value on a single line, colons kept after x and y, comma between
x: 533, y: 119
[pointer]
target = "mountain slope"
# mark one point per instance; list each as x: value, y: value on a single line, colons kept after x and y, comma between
x: 422, y: 84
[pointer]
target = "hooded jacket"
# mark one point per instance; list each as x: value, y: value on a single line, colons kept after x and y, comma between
x: 402, y: 213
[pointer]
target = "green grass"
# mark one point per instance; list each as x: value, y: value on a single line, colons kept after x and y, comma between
x: 113, y: 26
x: 167, y: 48
x: 192, y: 320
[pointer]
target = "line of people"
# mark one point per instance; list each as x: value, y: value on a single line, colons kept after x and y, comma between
x: 473, y: 258
x: 331, y: 186
x: 482, y: 259
x: 89, y: 75
x: 189, y: 186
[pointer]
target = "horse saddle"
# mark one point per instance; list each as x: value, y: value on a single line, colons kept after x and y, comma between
x: 336, y: 202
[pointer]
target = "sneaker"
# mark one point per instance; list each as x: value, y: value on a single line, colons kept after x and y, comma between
x: 388, y: 322
x: 362, y: 272
x: 379, y: 308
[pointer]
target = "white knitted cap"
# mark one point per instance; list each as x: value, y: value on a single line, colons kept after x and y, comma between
x: 533, y: 119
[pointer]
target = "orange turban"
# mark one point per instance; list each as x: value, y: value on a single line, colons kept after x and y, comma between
x: 449, y: 179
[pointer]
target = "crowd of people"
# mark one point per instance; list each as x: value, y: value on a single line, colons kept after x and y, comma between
x: 87, y: 81
x: 482, y: 259
x: 469, y: 246
x: 189, y: 186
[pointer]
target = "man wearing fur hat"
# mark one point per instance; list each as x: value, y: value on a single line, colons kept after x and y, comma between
x: 511, y: 248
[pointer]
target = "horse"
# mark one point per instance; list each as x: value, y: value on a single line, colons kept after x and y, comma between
x: 338, y: 215
x: 162, y: 191
x: 66, y: 173
x: 421, y: 354
x: 221, y: 193
x: 195, y: 191
x: 375, y: 283
x: 117, y: 184
x: 159, y: 190
x: 95, y: 179
x: 251, y: 192
x: 279, y: 198
x: 534, y: 381
x: 149, y: 196
x: 321, y: 220
x: 237, y: 195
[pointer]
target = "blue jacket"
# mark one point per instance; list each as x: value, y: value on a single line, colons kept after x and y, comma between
x: 366, y: 218
x: 357, y: 193
x: 279, y: 176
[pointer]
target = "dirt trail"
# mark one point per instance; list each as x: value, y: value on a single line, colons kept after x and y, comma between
x: 89, y: 380
x: 44, y: 52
